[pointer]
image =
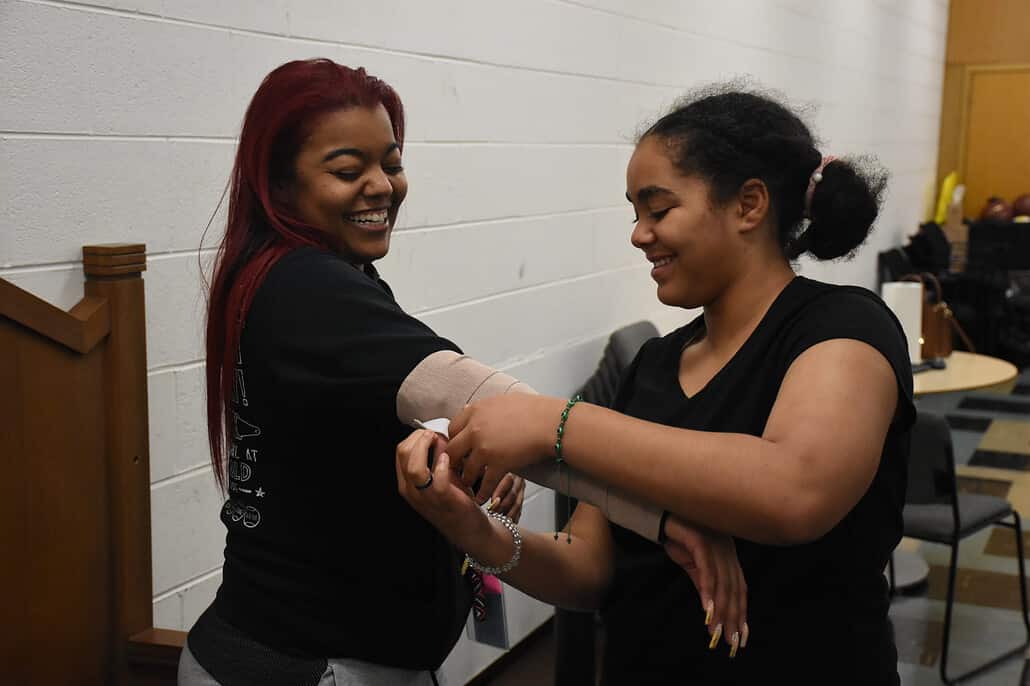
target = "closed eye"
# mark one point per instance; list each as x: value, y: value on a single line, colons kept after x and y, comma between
x: 656, y: 216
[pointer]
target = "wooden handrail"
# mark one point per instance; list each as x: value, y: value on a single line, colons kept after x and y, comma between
x: 156, y: 647
x: 79, y: 329
x: 82, y: 446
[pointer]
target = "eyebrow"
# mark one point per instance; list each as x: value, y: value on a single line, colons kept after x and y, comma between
x: 355, y: 152
x: 648, y: 192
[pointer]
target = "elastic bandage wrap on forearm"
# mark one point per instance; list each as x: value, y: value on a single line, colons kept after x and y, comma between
x: 443, y: 383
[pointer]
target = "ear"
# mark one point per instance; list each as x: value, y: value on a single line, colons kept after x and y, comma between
x: 752, y: 204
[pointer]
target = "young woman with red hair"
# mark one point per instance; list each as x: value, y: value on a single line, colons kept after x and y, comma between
x: 329, y: 576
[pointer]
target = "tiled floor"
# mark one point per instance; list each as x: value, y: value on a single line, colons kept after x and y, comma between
x: 991, y: 434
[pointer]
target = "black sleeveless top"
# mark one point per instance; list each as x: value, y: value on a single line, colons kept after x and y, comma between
x: 817, y: 612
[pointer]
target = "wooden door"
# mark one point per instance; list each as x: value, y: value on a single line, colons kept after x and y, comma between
x: 997, y: 140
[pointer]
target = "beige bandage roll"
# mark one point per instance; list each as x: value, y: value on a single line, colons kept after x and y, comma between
x: 445, y: 382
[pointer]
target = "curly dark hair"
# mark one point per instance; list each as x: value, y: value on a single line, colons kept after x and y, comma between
x: 727, y: 134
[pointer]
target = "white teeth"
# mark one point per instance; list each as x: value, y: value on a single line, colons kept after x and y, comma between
x: 663, y: 261
x: 375, y: 217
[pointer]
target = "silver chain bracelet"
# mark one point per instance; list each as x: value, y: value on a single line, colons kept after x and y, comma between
x: 510, y: 565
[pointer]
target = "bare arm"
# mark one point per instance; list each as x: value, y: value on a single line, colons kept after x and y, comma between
x: 816, y: 458
x: 573, y: 575
x: 444, y: 383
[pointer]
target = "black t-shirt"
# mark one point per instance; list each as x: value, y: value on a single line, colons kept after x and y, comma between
x: 323, y: 557
x: 818, y: 611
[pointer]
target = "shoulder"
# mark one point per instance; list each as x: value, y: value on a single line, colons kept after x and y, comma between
x: 313, y: 280
x: 832, y: 308
x: 851, y: 313
x: 312, y: 293
x: 305, y: 268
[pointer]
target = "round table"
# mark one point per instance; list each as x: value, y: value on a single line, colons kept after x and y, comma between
x: 963, y: 372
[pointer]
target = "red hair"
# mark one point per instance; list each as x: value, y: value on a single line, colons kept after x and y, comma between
x: 259, y: 230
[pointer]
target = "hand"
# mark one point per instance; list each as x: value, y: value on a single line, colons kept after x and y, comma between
x: 503, y: 434
x: 445, y: 503
x: 508, y: 497
x: 710, y: 560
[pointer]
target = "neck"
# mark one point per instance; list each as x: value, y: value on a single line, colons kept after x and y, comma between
x: 733, y: 316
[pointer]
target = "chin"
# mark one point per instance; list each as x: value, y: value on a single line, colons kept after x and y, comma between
x: 366, y: 251
x: 672, y: 298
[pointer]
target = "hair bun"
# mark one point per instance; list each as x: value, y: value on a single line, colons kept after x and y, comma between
x: 845, y: 203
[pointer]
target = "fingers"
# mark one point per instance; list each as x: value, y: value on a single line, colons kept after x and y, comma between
x: 731, y: 617
x: 503, y: 496
x: 721, y: 602
x: 405, y: 456
x: 472, y: 468
x: 732, y: 595
x: 491, y: 481
x: 742, y: 596
x: 416, y: 464
x: 676, y: 531
x: 508, y: 494
x: 460, y: 444
x: 734, y: 621
x: 516, y: 511
x: 441, y: 474
x: 439, y: 444
x: 712, y: 565
x: 459, y: 421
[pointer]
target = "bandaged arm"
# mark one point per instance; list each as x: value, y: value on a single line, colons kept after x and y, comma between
x: 444, y: 382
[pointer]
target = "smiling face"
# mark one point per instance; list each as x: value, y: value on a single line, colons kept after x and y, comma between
x: 348, y: 181
x: 691, y: 242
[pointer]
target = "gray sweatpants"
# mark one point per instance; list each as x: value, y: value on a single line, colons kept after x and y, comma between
x: 338, y: 673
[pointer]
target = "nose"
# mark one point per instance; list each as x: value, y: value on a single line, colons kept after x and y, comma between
x: 642, y: 235
x: 378, y: 184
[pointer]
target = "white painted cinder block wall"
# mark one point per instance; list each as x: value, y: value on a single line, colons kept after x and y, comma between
x: 118, y: 123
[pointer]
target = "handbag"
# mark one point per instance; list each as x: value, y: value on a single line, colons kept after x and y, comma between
x: 939, y: 321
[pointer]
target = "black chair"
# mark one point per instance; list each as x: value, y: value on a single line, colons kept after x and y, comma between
x: 935, y: 511
x: 574, y: 632
x: 891, y: 265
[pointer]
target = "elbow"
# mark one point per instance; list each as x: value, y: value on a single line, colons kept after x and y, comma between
x: 804, y: 520
x: 589, y: 594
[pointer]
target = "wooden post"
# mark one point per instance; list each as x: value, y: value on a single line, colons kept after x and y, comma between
x: 114, y: 272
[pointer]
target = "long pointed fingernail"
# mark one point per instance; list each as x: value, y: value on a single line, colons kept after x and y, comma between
x: 743, y: 639
x: 734, y: 644
x: 709, y: 609
x: 492, y: 504
x: 715, y: 637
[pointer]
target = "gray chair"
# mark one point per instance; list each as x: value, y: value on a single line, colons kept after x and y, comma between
x: 935, y: 511
x: 574, y: 632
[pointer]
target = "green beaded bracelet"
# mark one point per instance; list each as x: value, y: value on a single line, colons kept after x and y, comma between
x: 561, y: 460
x: 561, y: 427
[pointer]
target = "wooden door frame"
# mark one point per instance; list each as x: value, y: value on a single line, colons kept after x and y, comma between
x: 968, y: 72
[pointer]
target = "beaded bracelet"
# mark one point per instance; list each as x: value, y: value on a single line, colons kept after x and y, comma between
x: 561, y: 460
x: 508, y: 566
